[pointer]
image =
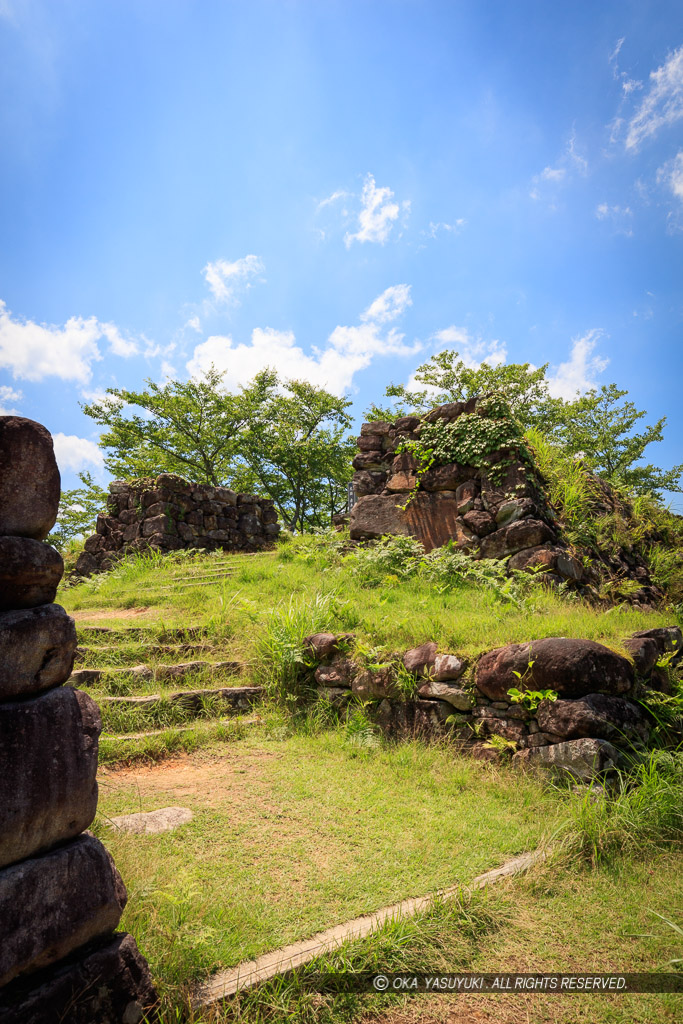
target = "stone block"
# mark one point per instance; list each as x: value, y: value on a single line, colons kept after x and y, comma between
x: 48, y: 768
x: 453, y: 695
x: 448, y: 666
x: 52, y: 904
x: 106, y: 983
x: 525, y: 533
x: 581, y: 759
x: 29, y: 479
x: 37, y: 648
x: 420, y: 660
x: 597, y: 715
x: 29, y: 573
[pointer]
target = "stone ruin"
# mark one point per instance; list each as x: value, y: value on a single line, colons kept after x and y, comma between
x: 61, y: 897
x: 168, y: 514
x: 499, y: 511
x: 599, y: 715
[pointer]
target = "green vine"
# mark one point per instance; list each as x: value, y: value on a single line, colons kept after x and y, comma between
x: 469, y: 440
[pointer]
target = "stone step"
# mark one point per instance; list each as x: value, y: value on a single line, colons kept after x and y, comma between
x: 158, y: 673
x: 179, y: 728
x: 240, y: 698
x: 178, y: 632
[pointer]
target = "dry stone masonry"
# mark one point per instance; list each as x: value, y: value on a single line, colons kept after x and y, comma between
x: 599, y: 712
x: 168, y: 513
x: 498, y: 510
x: 61, y: 897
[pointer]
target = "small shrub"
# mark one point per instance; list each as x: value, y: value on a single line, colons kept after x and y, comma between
x: 282, y: 666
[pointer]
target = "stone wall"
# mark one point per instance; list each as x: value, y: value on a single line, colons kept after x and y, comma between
x: 61, y: 897
x: 599, y: 713
x: 499, y: 511
x: 169, y: 513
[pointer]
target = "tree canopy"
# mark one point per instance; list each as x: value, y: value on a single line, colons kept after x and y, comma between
x: 596, y: 427
x: 285, y: 438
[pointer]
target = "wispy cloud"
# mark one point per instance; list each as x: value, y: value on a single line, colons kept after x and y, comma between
x: 339, y: 194
x: 377, y: 216
x: 472, y: 350
x: 582, y: 368
x: 349, y: 349
x: 662, y: 104
x: 571, y: 162
x: 436, y: 226
x: 620, y: 217
x: 32, y: 351
x: 628, y: 84
x: 226, y: 280
x: 671, y: 176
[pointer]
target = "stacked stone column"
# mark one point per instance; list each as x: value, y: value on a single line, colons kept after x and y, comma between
x: 61, y: 897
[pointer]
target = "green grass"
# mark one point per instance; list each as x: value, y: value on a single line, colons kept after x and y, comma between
x: 294, y: 833
x: 399, y: 613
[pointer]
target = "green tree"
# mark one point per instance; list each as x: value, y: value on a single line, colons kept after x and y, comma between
x: 189, y: 427
x: 78, y: 510
x: 297, y: 448
x: 448, y: 379
x: 600, y: 428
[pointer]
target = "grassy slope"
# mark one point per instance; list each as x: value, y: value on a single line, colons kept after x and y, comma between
x: 466, y: 620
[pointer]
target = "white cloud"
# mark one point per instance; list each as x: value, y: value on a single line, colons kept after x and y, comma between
x: 76, y: 453
x: 472, y: 351
x: 339, y: 194
x: 579, y: 373
x: 195, y: 324
x: 226, y: 279
x: 348, y: 350
x: 9, y: 395
x: 553, y: 173
x: 663, y: 103
x: 388, y: 306
x: 619, y: 216
x: 33, y: 351
x: 436, y: 226
x: 377, y: 216
x: 672, y: 175
x: 571, y: 160
x: 119, y: 345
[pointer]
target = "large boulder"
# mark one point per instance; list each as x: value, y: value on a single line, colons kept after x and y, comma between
x: 522, y: 534
x: 29, y: 479
x: 581, y: 759
x: 431, y: 517
x: 571, y: 667
x: 29, y: 573
x: 48, y: 769
x: 597, y: 715
x: 37, y: 649
x: 421, y: 660
x: 52, y: 904
x: 109, y: 984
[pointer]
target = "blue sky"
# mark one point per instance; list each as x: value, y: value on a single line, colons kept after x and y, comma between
x: 339, y: 190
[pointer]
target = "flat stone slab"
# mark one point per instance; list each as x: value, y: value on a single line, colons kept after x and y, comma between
x: 240, y: 698
x: 159, y: 673
x: 37, y: 647
x: 52, y: 904
x: 166, y: 819
x: 48, y: 770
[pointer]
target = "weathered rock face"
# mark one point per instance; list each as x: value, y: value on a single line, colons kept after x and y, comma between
x: 597, y: 715
x: 37, y: 647
x: 48, y: 768
x: 572, y: 668
x: 108, y: 984
x: 29, y: 479
x: 496, y: 510
x: 53, y: 904
x: 582, y: 759
x: 168, y: 513
x: 453, y: 695
x: 29, y: 573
